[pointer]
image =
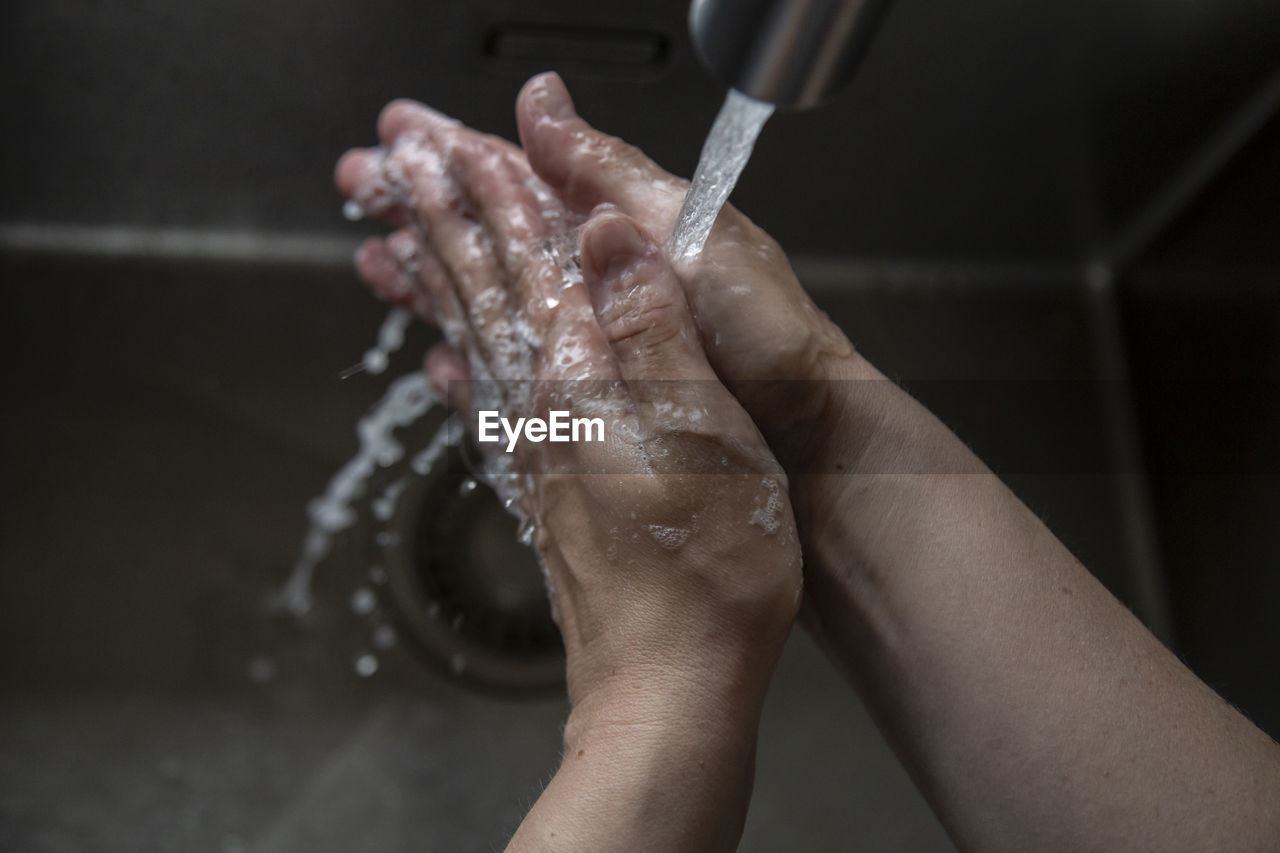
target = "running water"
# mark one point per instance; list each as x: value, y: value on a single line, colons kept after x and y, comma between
x: 390, y: 339
x: 408, y: 399
x: 724, y: 156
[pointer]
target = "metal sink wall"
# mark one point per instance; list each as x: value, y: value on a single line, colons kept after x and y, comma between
x: 170, y: 422
x: 988, y: 131
x: 161, y: 443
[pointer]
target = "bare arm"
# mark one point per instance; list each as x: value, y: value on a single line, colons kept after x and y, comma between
x: 674, y: 585
x: 1031, y: 707
x: 678, y: 778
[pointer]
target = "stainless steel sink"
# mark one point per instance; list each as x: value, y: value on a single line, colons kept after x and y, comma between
x: 1014, y: 211
x: 170, y: 422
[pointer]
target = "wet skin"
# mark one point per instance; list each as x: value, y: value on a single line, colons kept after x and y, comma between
x: 674, y: 588
x: 1031, y: 708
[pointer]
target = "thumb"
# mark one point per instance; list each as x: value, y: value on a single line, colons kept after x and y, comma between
x: 640, y: 304
x: 583, y: 165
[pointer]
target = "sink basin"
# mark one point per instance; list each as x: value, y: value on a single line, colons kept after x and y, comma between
x: 1013, y: 210
x: 170, y: 421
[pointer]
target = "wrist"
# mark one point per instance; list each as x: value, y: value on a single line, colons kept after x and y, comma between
x: 843, y: 437
x: 717, y: 697
x: 664, y: 773
x: 647, y: 766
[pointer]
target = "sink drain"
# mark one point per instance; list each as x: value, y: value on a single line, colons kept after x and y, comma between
x: 468, y: 596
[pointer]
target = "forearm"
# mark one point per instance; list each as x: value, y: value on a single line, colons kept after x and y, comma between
x: 1031, y: 707
x: 647, y: 775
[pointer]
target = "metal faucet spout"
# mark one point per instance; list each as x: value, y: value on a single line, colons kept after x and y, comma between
x: 791, y: 53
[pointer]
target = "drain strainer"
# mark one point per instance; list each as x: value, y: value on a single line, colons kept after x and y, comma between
x: 467, y: 594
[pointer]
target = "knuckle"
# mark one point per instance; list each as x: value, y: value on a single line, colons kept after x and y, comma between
x: 771, y: 250
x: 646, y: 319
x: 593, y: 149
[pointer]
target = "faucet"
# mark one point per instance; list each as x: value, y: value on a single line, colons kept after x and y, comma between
x: 791, y: 53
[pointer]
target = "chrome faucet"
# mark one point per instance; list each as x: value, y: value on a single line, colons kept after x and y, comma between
x: 791, y: 53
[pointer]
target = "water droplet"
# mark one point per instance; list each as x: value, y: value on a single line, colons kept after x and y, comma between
x: 458, y: 663
x: 375, y: 361
x: 377, y: 575
x: 467, y: 486
x: 363, y: 601
x: 433, y: 610
x: 352, y: 211
x: 366, y: 665
x: 261, y: 670
x: 387, y: 539
x: 384, y: 637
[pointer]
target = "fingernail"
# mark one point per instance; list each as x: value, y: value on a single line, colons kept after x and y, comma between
x: 610, y: 247
x: 553, y: 98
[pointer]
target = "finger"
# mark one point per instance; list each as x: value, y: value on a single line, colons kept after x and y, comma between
x: 404, y: 116
x: 416, y: 259
x: 387, y: 277
x: 361, y: 176
x: 530, y: 219
x: 511, y: 214
x: 452, y: 232
x: 420, y: 271
x: 640, y: 304
x: 643, y: 315
x: 448, y: 374
x: 585, y: 166
x: 517, y: 210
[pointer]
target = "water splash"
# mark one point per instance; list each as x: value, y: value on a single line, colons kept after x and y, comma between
x: 670, y: 538
x: 724, y: 156
x: 261, y: 670
x: 363, y: 601
x: 384, y: 637
x: 769, y: 509
x: 408, y: 399
x: 390, y: 339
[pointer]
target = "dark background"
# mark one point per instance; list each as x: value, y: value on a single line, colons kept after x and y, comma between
x: 1077, y: 190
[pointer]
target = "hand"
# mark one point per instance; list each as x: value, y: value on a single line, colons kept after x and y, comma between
x: 783, y: 359
x: 674, y: 582
x: 1033, y: 710
x: 762, y: 333
x: 1031, y: 707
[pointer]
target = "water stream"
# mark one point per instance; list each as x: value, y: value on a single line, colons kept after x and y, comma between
x: 407, y: 399
x: 724, y: 156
